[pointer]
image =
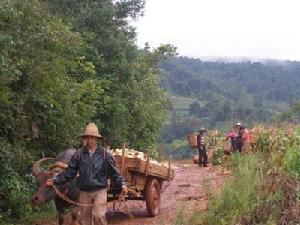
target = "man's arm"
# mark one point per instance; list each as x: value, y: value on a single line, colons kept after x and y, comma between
x: 198, y: 141
x: 113, y: 172
x: 70, y: 172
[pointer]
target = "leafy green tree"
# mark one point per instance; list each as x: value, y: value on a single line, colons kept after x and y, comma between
x: 42, y: 109
x: 63, y: 64
x: 132, y: 107
x: 224, y: 112
x: 194, y: 108
x: 37, y: 50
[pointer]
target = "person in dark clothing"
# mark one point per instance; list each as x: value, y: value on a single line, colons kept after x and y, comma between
x: 239, y: 139
x: 94, y: 166
x: 232, y: 135
x: 201, y: 146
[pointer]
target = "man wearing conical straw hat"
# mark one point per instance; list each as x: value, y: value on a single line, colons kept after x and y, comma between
x: 94, y: 165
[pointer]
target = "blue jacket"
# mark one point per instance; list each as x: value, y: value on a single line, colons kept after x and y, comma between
x: 93, y: 171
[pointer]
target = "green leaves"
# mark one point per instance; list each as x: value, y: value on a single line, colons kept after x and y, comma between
x: 47, y: 66
x: 65, y: 63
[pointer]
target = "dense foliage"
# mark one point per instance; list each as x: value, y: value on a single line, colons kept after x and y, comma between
x: 65, y: 63
x: 292, y: 115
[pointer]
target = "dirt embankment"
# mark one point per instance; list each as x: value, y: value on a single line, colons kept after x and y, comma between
x: 189, y: 190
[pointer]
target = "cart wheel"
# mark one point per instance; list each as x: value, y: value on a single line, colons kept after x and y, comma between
x: 153, y: 197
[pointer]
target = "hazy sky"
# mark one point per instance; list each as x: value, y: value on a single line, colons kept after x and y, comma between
x: 251, y: 28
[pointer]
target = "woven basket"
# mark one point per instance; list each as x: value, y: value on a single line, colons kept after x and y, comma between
x: 192, y: 138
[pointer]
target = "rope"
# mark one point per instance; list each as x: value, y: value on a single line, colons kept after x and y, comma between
x: 121, y: 199
x: 167, y: 185
x: 69, y: 200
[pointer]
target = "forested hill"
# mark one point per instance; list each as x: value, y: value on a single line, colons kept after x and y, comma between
x: 241, y: 90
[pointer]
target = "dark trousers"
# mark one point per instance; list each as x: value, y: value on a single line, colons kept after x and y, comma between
x: 202, y: 156
x: 239, y: 143
x: 240, y: 146
x: 234, y: 145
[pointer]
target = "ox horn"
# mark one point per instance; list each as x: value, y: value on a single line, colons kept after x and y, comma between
x: 36, y: 166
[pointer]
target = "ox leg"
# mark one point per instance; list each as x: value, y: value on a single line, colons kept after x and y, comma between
x: 61, y: 219
x: 60, y: 208
x: 75, y: 217
x: 75, y: 220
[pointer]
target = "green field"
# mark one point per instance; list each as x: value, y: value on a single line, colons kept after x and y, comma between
x: 182, y: 104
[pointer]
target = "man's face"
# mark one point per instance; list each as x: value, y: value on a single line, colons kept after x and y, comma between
x: 91, y: 142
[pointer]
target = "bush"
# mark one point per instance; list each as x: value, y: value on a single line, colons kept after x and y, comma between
x: 291, y: 161
x: 15, y: 182
x: 217, y: 156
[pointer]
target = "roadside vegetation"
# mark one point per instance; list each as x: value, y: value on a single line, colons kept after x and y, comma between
x: 264, y: 187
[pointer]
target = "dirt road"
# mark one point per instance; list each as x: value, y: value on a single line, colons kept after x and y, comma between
x: 188, y: 191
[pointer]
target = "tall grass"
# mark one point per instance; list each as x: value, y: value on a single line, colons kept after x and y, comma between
x: 240, y: 194
x: 291, y: 159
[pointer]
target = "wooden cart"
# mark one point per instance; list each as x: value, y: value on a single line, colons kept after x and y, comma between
x: 144, y: 179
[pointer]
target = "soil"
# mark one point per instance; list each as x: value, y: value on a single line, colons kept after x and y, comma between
x: 189, y: 191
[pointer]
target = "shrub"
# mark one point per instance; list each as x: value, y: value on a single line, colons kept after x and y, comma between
x: 14, y: 183
x: 291, y: 161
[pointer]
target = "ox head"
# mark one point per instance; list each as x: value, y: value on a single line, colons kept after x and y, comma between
x: 44, y: 194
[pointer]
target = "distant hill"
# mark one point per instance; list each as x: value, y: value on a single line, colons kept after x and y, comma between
x: 238, y: 59
x: 247, y: 91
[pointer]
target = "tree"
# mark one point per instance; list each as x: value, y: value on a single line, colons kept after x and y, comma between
x: 65, y: 63
x: 42, y: 109
x: 132, y: 106
x: 194, y: 108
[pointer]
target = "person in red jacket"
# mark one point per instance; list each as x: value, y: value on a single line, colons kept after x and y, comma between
x: 246, y: 139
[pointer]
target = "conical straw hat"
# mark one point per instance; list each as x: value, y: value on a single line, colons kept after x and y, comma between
x: 91, y: 130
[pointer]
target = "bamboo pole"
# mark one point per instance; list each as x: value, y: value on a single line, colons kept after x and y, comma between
x: 148, y: 161
x: 123, y: 161
x: 160, y: 152
x: 169, y: 168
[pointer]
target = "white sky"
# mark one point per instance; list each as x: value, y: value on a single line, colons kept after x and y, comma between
x: 218, y: 28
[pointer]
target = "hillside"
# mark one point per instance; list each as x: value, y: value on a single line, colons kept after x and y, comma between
x: 245, y: 91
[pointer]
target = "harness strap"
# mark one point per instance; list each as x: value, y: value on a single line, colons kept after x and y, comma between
x: 66, y: 191
x: 105, y: 162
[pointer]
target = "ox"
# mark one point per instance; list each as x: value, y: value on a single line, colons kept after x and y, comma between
x: 45, y: 194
